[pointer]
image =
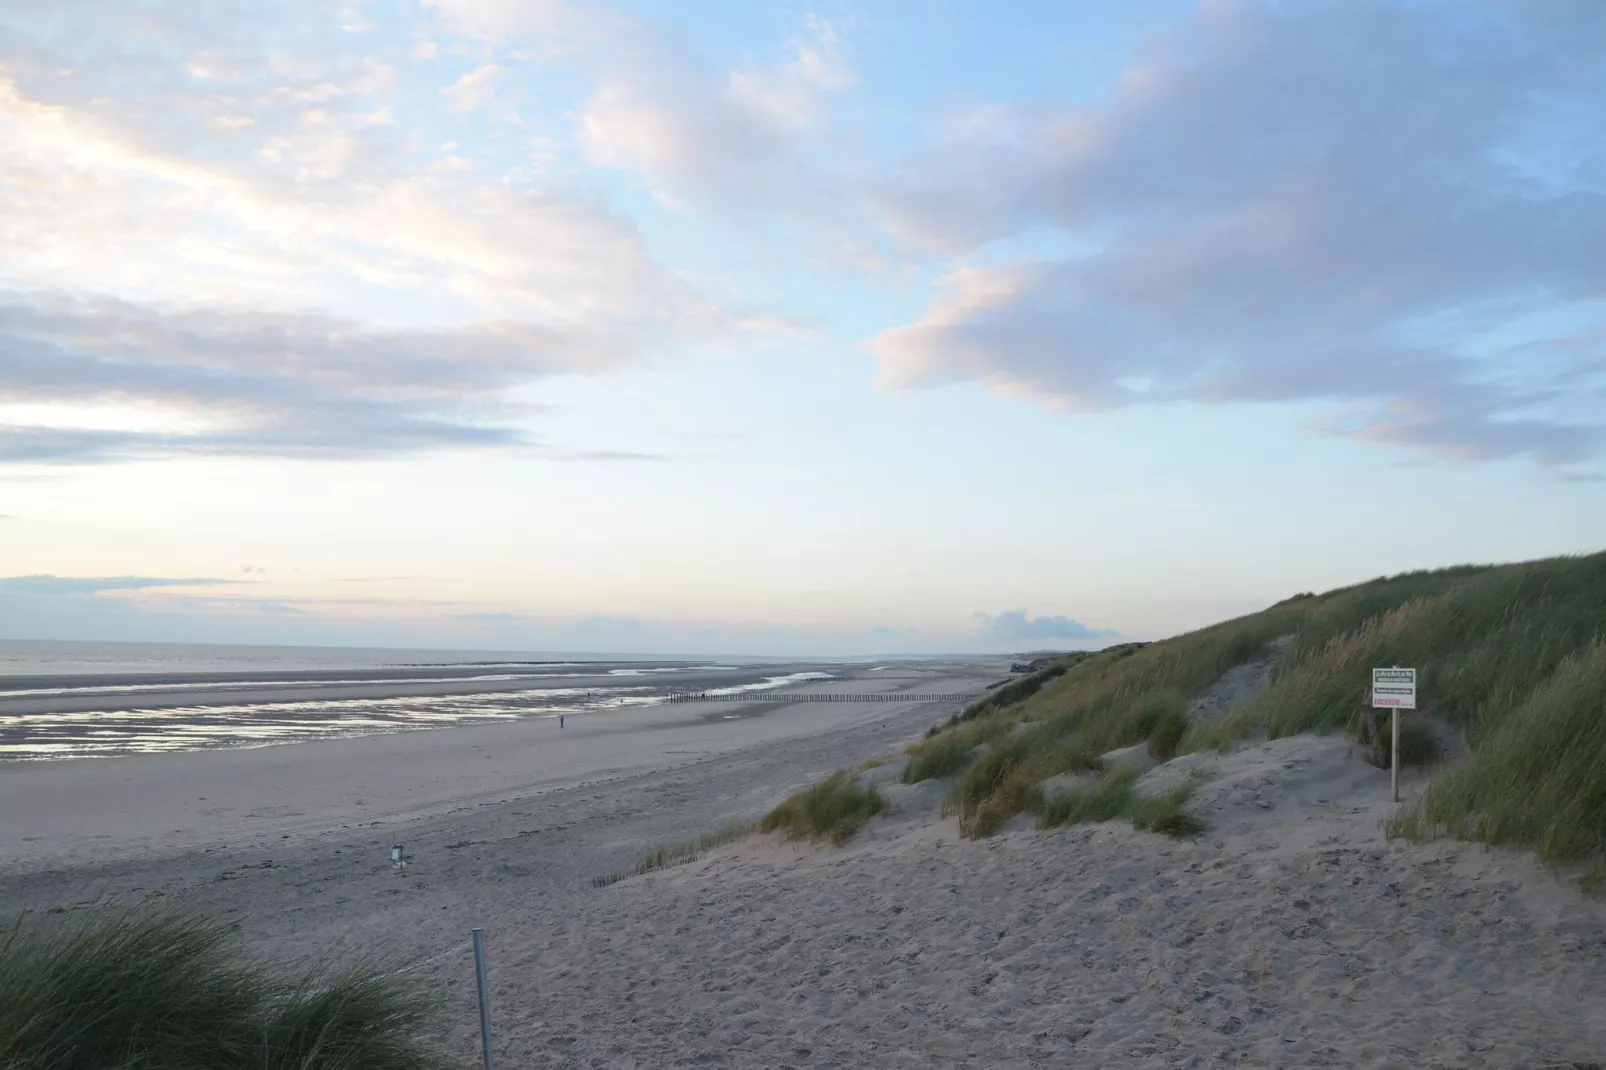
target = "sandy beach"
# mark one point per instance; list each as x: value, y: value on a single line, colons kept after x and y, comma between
x: 1083, y: 948
x: 100, y: 810
x: 1291, y: 934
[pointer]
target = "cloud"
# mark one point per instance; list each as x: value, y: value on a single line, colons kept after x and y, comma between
x: 280, y: 609
x: 1016, y: 625
x: 357, y: 299
x: 692, y: 129
x: 620, y: 624
x: 604, y: 455
x: 174, y: 615
x: 1378, y: 209
x: 695, y: 132
x: 260, y: 383
x: 476, y: 89
x: 47, y: 585
x: 353, y: 20
x: 188, y: 609
x: 502, y: 21
x: 290, y: 212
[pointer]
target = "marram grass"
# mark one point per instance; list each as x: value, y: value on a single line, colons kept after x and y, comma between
x: 1538, y: 777
x: 1510, y: 657
x: 830, y: 810
x: 166, y: 992
x: 1111, y: 797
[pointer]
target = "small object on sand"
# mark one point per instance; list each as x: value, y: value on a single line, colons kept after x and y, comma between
x: 397, y: 858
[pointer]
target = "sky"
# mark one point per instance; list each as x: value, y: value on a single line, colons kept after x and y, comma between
x: 849, y: 327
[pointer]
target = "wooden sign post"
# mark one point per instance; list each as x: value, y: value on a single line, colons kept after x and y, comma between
x: 1394, y: 689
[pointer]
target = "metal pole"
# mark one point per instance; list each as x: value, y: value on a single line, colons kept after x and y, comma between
x: 1394, y: 760
x: 485, y: 1006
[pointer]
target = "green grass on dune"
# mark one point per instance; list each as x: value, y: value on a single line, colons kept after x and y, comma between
x: 1483, y: 640
x: 1500, y: 650
x: 1118, y: 698
x: 1537, y: 776
x: 1019, y: 690
x: 942, y: 755
x: 1510, y: 656
x: 997, y: 787
x: 170, y: 993
x: 830, y: 810
x: 1111, y: 797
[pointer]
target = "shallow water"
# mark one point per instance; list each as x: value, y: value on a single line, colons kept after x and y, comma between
x: 74, y: 700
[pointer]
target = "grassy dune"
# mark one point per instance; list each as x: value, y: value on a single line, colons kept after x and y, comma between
x: 1513, y: 657
x: 168, y: 993
x: 832, y: 809
x: 1539, y: 774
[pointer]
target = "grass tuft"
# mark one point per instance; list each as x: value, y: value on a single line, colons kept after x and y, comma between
x: 1165, y: 814
x: 1111, y: 797
x: 1372, y: 730
x: 942, y: 756
x: 172, y: 993
x: 831, y: 810
x: 354, y: 1021
x: 1107, y: 799
x: 1166, y: 731
x: 1418, y: 744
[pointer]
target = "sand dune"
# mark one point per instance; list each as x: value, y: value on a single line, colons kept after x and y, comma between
x: 1292, y: 935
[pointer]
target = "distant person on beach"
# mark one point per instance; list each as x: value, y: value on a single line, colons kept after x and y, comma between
x: 560, y: 720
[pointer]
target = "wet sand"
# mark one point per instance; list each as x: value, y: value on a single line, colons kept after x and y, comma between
x: 71, y: 694
x: 97, y: 810
x: 52, y: 718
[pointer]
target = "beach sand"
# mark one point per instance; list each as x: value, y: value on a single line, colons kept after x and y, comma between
x: 1290, y: 934
x: 99, y: 810
x: 292, y: 842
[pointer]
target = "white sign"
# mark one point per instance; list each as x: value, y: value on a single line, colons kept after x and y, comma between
x: 1394, y: 689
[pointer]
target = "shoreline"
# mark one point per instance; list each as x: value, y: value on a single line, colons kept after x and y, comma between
x: 90, y: 811
x: 90, y: 720
x: 86, y: 694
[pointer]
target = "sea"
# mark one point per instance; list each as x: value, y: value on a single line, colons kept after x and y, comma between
x: 64, y: 700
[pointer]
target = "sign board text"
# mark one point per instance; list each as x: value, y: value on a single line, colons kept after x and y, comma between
x: 1394, y: 689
